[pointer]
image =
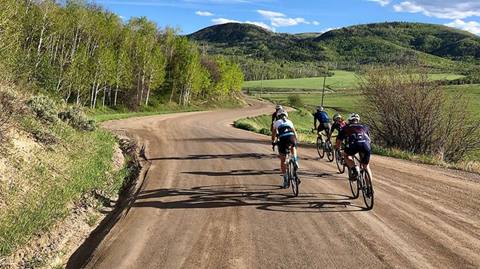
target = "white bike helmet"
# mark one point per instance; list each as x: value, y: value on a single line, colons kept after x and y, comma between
x: 278, y: 107
x: 354, y: 117
x: 320, y: 108
x: 337, y: 116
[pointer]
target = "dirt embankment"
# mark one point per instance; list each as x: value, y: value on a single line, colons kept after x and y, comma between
x: 51, y: 249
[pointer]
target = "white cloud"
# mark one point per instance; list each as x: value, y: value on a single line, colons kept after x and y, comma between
x: 444, y: 9
x: 470, y: 26
x: 316, y: 23
x: 282, y: 22
x: 223, y: 21
x: 260, y: 24
x: 381, y: 2
x: 270, y: 14
x: 278, y: 19
x: 204, y: 13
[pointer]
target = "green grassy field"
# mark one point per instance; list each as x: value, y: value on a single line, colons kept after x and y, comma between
x: 346, y: 101
x: 472, y: 93
x: 341, y: 80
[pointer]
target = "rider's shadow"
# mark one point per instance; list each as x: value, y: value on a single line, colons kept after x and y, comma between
x: 330, y: 204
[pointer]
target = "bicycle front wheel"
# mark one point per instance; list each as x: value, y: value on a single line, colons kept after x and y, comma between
x: 339, y: 161
x: 329, y: 150
x: 367, y: 190
x: 320, y: 147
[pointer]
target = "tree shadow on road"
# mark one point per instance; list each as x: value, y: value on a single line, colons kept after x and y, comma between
x: 254, y: 156
x: 250, y: 172
x: 262, y: 197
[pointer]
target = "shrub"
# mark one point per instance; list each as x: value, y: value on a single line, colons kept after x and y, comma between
x: 408, y: 112
x: 265, y: 131
x: 45, y: 137
x: 9, y: 107
x: 44, y: 108
x: 244, y: 125
x: 295, y: 101
x: 76, y: 118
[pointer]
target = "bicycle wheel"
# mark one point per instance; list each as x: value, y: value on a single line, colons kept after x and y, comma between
x: 329, y: 150
x: 367, y: 189
x: 320, y: 147
x: 354, y: 186
x: 293, y: 178
x: 340, y: 162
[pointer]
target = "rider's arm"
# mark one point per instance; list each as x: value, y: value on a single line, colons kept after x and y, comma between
x: 295, y: 132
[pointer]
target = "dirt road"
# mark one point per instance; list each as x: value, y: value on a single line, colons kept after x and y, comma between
x: 211, y: 199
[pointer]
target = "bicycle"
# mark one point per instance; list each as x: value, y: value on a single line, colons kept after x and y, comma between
x: 324, y: 147
x: 340, y: 159
x: 293, y: 179
x: 291, y: 166
x: 363, y: 182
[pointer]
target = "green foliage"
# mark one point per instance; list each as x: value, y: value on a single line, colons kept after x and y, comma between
x: 86, y: 55
x: 76, y: 118
x: 294, y: 100
x: 44, y: 108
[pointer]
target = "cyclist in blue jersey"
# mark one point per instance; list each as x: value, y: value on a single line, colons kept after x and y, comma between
x: 323, y: 121
x: 357, y: 138
x: 286, y: 135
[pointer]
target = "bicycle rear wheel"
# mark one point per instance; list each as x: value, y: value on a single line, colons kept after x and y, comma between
x: 329, y: 150
x: 320, y: 147
x: 339, y: 161
x: 367, y: 190
x: 293, y: 178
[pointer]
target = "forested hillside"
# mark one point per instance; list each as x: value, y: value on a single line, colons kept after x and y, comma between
x: 86, y: 55
x: 272, y: 55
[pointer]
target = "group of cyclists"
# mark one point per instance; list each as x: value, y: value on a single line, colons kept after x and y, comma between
x: 352, y: 136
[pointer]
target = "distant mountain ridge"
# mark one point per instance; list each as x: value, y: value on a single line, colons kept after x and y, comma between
x: 391, y: 42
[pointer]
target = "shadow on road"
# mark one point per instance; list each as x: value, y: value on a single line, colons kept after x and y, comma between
x: 254, y: 156
x: 248, y: 172
x: 262, y: 197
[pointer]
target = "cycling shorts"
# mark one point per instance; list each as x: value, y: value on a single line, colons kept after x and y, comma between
x: 286, y: 142
x: 363, y: 149
x: 324, y: 126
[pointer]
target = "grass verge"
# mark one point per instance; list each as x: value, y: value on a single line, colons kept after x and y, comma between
x: 49, y: 180
x: 106, y: 114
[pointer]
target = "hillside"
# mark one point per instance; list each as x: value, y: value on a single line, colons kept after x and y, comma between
x: 395, y: 42
x: 256, y: 42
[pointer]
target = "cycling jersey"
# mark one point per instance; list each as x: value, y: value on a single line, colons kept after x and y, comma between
x: 355, y: 133
x: 322, y: 117
x: 284, y: 128
x: 338, y: 125
x: 357, y: 141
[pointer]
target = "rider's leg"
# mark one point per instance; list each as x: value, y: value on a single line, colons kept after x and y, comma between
x: 283, y: 167
x: 365, y: 159
x: 349, y: 153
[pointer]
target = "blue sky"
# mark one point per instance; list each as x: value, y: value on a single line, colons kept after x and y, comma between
x: 297, y: 16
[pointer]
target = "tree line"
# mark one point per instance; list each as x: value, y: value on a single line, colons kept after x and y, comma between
x: 89, y: 56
